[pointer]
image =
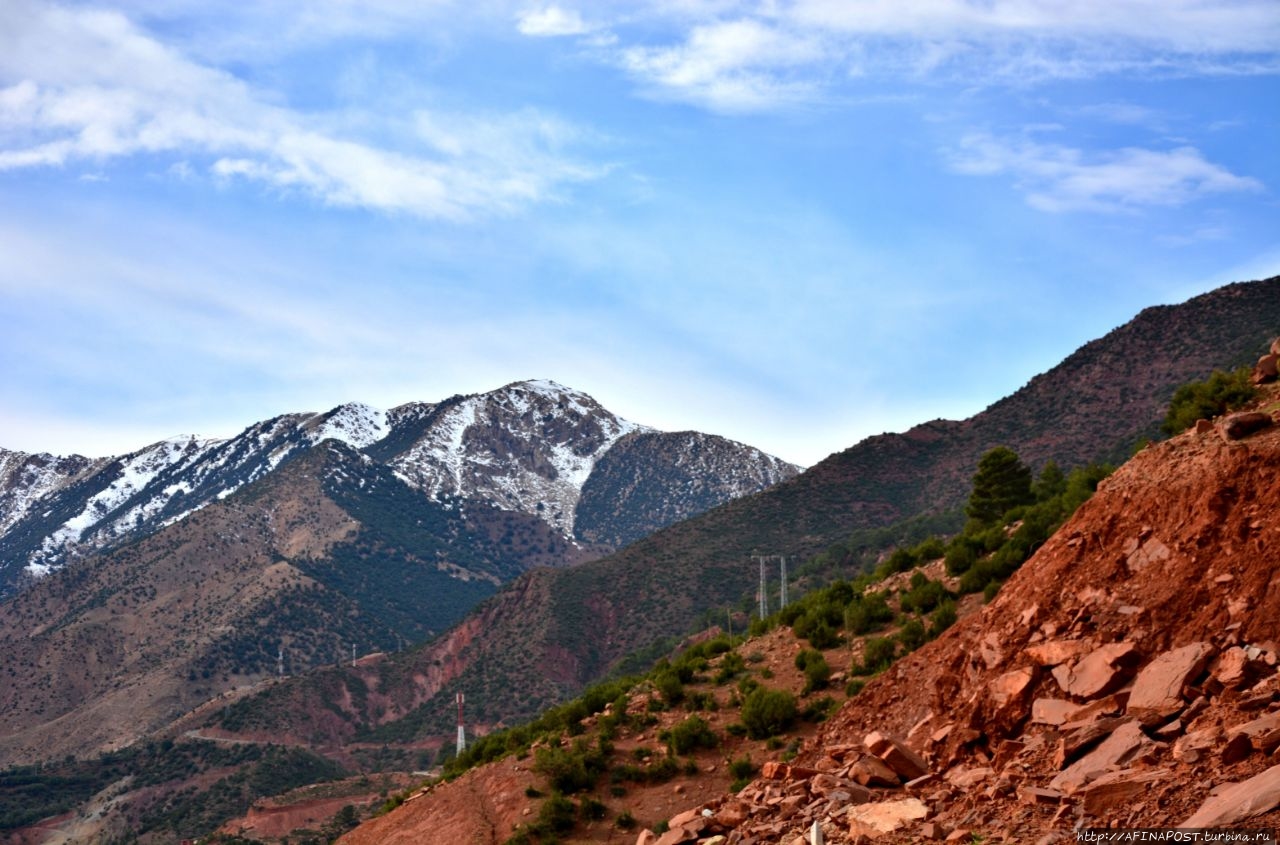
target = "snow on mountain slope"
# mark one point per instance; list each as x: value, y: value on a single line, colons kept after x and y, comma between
x: 25, y: 478
x: 528, y: 446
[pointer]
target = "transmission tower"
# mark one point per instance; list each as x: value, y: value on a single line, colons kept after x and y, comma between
x: 764, y: 596
x: 783, y: 596
x: 462, y: 732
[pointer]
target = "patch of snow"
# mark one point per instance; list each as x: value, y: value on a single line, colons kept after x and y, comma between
x: 356, y: 424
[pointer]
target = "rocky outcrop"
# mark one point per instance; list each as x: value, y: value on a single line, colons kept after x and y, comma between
x: 1124, y: 677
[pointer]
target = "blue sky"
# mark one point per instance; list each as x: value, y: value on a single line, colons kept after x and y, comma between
x: 795, y: 224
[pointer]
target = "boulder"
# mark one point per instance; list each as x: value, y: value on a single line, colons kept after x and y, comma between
x: 1241, y: 425
x: 1112, y: 789
x: 1193, y: 747
x: 1253, y: 797
x: 1099, y: 672
x: 1262, y: 734
x: 872, y: 771
x: 1236, y: 669
x: 731, y: 814
x: 1008, y: 696
x: 1266, y: 369
x: 1157, y: 691
x: 876, y: 820
x: 1124, y: 744
x: 896, y: 755
x: 1052, y: 711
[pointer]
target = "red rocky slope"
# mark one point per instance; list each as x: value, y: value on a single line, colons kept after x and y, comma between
x: 1125, y: 676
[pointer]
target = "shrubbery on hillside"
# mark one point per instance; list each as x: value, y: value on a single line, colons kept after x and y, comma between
x: 1219, y: 393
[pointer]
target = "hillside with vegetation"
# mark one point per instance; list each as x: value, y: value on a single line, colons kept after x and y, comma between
x: 552, y: 632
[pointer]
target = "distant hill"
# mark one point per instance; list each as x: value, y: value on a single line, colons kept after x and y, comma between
x: 552, y: 631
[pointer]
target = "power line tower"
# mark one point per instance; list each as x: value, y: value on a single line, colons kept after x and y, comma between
x: 783, y: 568
x: 462, y: 732
x: 764, y: 596
x: 280, y: 662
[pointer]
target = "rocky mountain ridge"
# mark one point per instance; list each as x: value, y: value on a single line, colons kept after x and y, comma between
x: 529, y: 447
x: 555, y: 631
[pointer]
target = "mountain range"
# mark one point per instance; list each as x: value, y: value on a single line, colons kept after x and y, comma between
x: 145, y: 585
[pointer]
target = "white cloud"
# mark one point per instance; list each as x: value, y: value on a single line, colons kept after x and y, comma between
x: 1060, y: 178
x: 89, y: 85
x: 552, y: 21
x: 733, y: 66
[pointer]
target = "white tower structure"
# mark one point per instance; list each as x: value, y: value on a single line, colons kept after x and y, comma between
x: 783, y: 597
x: 764, y: 597
x: 280, y: 662
x: 462, y: 732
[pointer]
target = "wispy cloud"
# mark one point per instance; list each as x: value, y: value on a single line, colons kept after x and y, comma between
x: 90, y: 86
x: 1060, y: 178
x: 761, y: 55
x: 737, y: 65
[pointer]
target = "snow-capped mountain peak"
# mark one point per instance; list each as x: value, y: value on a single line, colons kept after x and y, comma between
x: 529, y: 446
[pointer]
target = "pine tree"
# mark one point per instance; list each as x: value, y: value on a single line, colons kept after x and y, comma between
x: 1001, y: 483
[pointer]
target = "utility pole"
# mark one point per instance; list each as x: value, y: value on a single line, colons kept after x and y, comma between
x: 764, y: 597
x: 462, y: 734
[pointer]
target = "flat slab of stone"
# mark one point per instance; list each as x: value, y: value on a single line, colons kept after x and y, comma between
x: 1253, y: 797
x: 1124, y: 744
x: 883, y: 817
x: 1157, y: 690
x: 1099, y: 672
x: 1053, y: 711
x: 1113, y: 789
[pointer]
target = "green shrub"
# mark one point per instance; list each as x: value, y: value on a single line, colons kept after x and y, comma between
x: 767, y: 712
x: 815, y: 668
x: 878, y: 654
x: 867, y: 613
x: 818, y: 709
x: 557, y: 814
x: 1219, y: 393
x: 942, y: 618
x: 591, y: 809
x: 668, y: 683
x: 690, y: 735
x: 912, y: 635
